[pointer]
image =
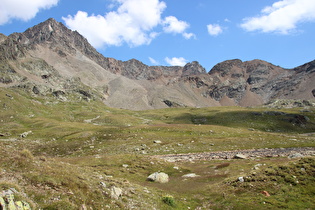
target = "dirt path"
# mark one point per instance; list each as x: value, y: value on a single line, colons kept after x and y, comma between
x: 252, y: 153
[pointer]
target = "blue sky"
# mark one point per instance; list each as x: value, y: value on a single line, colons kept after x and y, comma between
x: 174, y: 32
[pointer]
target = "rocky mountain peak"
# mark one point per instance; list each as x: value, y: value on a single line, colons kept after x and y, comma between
x: 227, y: 67
x: 193, y: 68
x: 308, y: 67
x: 56, y: 36
x: 2, y: 37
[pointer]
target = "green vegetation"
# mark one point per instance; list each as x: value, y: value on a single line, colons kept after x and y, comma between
x: 169, y: 200
x: 78, y: 151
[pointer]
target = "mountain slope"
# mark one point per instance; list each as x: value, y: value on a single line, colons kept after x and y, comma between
x: 50, y: 59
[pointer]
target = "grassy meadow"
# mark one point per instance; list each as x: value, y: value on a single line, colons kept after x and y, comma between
x: 77, y: 151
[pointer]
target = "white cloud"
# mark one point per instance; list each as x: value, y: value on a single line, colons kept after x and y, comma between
x: 173, y: 25
x: 189, y: 35
x: 176, y: 61
x: 214, y: 29
x: 22, y: 9
x: 133, y: 22
x: 282, y: 17
x: 153, y: 61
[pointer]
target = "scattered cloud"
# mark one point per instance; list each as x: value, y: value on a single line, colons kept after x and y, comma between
x: 282, y: 17
x: 153, y: 61
x: 214, y: 29
x: 173, y: 25
x: 189, y: 35
x: 22, y: 10
x: 132, y: 22
x: 176, y: 61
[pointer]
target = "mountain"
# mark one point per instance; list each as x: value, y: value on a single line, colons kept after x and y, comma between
x: 51, y: 60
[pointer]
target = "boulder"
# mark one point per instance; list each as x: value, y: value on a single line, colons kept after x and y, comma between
x: 240, y: 156
x: 7, y: 201
x: 116, y: 192
x: 159, y: 177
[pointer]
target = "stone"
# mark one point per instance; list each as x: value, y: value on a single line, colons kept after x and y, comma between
x: 241, y: 179
x: 191, y: 175
x: 103, y: 184
x: 116, y: 192
x: 25, y: 134
x: 265, y: 193
x: 157, y: 142
x: 159, y: 177
x: 256, y: 167
x: 240, y: 156
x: 296, y: 155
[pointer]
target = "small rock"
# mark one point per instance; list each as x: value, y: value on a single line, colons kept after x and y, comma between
x: 240, y: 156
x: 296, y: 155
x: 256, y: 167
x: 159, y: 177
x: 265, y: 193
x: 25, y: 134
x: 157, y: 142
x: 103, y: 184
x: 116, y: 192
x: 191, y: 175
x: 241, y: 179
x: 125, y: 165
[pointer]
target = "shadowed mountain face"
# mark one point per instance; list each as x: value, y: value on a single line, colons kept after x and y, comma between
x: 51, y: 60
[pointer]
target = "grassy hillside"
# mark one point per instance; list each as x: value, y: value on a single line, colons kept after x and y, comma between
x: 75, y: 152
